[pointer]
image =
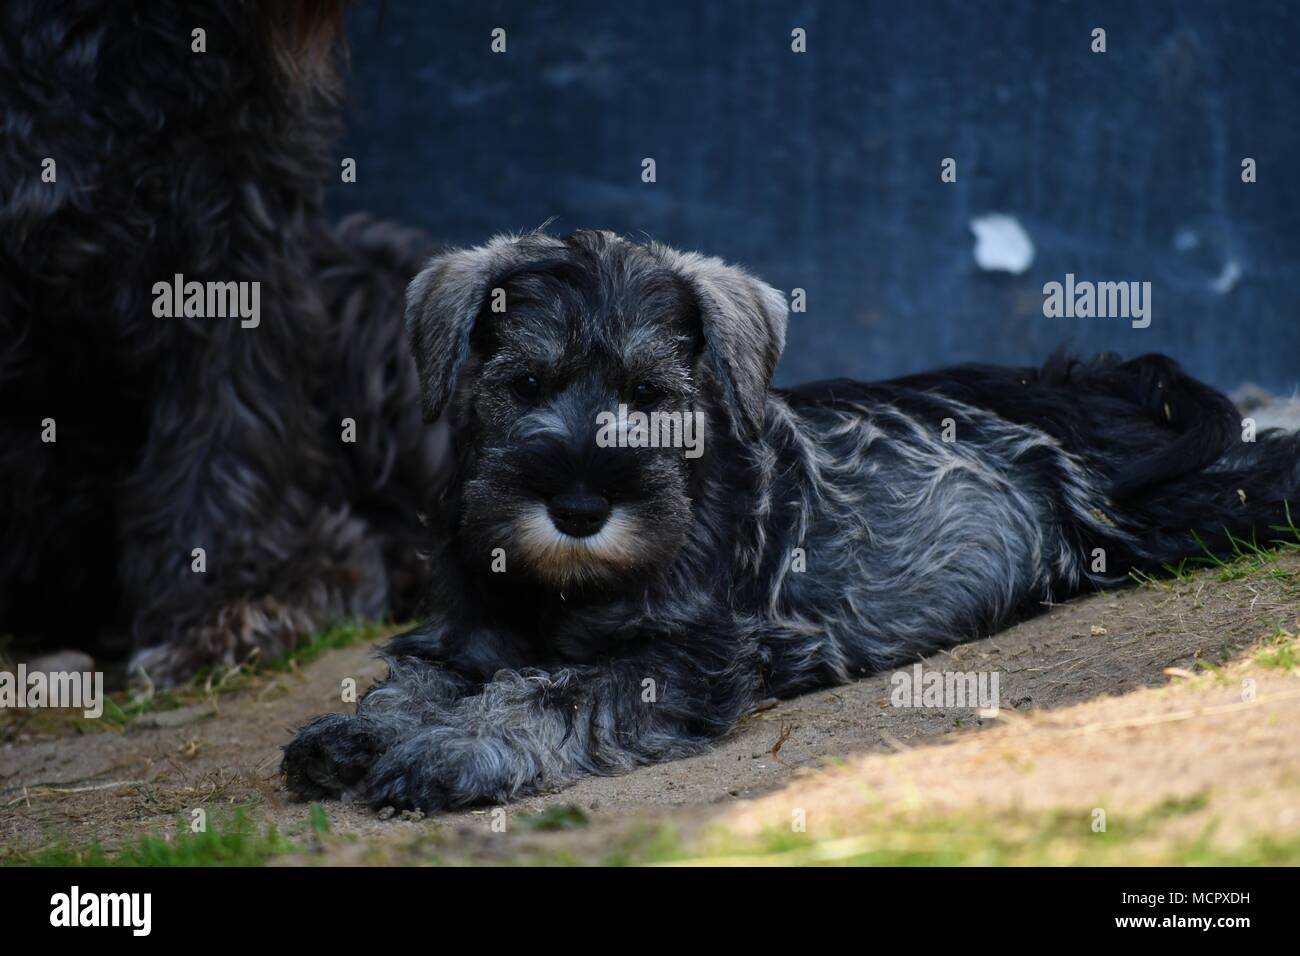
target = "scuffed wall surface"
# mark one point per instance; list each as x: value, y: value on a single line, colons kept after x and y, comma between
x: 821, y: 170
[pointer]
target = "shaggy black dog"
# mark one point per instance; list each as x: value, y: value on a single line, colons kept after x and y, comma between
x: 606, y: 600
x: 186, y: 479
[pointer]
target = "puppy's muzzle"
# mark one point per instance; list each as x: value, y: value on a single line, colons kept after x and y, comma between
x: 578, y: 513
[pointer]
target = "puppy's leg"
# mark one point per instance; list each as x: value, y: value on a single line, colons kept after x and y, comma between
x: 448, y: 739
x: 331, y: 754
x: 528, y: 730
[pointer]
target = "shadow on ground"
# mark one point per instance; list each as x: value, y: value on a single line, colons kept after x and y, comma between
x: 1088, y: 722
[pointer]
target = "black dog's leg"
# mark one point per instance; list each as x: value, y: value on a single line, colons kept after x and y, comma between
x: 332, y: 754
x: 391, y: 470
x: 228, y: 546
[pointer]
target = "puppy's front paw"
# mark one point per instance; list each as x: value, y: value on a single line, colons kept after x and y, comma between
x: 442, y: 768
x: 331, y: 755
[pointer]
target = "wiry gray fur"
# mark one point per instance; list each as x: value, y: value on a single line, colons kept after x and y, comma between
x: 592, y: 655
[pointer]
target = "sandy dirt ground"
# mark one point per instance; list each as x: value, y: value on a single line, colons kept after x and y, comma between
x: 1105, y: 704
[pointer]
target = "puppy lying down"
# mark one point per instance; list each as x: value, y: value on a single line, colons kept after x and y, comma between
x: 641, y: 539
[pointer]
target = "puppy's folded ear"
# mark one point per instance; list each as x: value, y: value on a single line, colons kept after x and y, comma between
x: 744, y: 330
x: 444, y: 301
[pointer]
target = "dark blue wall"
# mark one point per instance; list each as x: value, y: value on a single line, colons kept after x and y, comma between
x: 821, y: 170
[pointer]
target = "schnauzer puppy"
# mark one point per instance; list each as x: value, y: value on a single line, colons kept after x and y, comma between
x: 192, y: 482
x: 604, y: 600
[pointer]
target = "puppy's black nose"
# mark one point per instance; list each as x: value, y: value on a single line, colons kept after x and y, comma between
x: 579, y: 513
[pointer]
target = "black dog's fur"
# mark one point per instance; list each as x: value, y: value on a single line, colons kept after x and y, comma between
x: 183, y: 433
x: 555, y: 655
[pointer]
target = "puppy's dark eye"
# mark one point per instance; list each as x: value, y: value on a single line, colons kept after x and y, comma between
x: 527, y: 387
x: 643, y: 393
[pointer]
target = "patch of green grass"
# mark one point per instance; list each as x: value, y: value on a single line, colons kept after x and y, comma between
x: 562, y: 817
x: 1143, y: 579
x: 1053, y: 838
x: 1243, y: 559
x: 236, y: 843
x: 648, y: 844
x: 122, y: 706
x: 1249, y: 557
x: 341, y: 635
x: 1214, y: 669
x: 338, y: 636
x: 1282, y: 651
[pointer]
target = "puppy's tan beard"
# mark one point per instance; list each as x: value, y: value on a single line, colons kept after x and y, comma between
x: 564, y: 559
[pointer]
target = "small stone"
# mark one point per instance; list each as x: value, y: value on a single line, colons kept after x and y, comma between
x: 63, y: 662
x: 177, y: 717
